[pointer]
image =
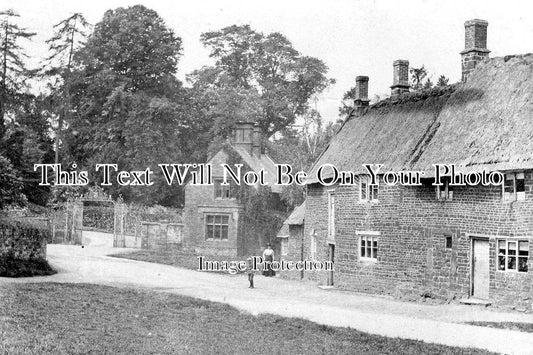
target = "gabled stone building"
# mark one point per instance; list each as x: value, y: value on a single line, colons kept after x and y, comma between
x: 463, y: 242
x: 213, y: 216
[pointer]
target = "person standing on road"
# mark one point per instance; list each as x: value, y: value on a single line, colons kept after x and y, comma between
x: 250, y: 271
x: 268, y: 257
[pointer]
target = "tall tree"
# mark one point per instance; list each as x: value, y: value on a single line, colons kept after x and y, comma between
x: 256, y: 77
x: 65, y: 41
x: 12, y: 56
x: 128, y: 107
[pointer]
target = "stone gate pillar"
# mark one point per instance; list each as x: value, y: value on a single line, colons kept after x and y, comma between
x: 74, y: 222
x: 119, y: 237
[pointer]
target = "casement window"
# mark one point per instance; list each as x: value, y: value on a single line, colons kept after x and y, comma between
x: 445, y: 191
x: 216, y: 227
x: 448, y: 241
x: 284, y: 246
x: 367, y: 192
x: 513, y: 255
x: 368, y: 247
x: 514, y: 188
x: 222, y: 191
x: 331, y: 215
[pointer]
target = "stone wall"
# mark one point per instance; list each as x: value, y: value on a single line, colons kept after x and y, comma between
x: 22, y: 242
x: 411, y: 227
x: 161, y: 235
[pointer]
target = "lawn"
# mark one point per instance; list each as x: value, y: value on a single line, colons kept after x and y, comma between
x: 49, y: 318
x: 169, y: 257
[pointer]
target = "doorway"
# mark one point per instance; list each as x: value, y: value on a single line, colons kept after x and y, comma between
x: 332, y: 260
x: 480, y: 268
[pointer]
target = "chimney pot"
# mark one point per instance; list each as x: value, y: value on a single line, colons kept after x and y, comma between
x: 361, y: 92
x: 400, y: 77
x: 475, y: 46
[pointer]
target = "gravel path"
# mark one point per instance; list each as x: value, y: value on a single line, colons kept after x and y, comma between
x: 431, y: 323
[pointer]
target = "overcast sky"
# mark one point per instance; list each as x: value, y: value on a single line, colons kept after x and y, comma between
x: 357, y: 37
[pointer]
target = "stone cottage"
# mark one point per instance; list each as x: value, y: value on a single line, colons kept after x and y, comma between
x: 213, y: 215
x: 463, y: 242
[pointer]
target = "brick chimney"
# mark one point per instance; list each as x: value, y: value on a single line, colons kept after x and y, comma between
x: 256, y: 143
x: 244, y: 135
x: 400, y: 77
x: 361, y: 92
x: 475, y: 46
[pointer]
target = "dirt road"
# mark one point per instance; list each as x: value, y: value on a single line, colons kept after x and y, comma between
x: 431, y: 323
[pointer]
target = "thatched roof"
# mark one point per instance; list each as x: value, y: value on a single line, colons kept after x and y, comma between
x: 297, y: 216
x: 482, y: 124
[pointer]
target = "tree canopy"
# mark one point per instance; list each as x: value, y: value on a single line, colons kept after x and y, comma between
x: 256, y: 77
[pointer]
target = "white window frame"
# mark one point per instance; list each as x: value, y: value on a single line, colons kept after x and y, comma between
x: 284, y: 245
x: 331, y: 214
x: 513, y: 195
x: 313, y: 245
x: 366, y: 236
x: 507, y: 241
x: 444, y: 192
x: 215, y: 224
x: 369, y: 190
x: 225, y: 189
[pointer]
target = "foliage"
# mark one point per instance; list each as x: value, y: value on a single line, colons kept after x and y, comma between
x: 10, y: 185
x: 263, y: 213
x: 443, y: 81
x: 65, y: 41
x: 300, y: 147
x: 12, y: 267
x: 27, y: 142
x: 129, y: 107
x: 256, y: 77
x: 421, y: 81
x: 13, y: 72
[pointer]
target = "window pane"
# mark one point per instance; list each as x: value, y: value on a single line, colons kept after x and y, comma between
x: 209, y: 231
x: 368, y: 250
x: 511, y: 248
x: 501, y: 262
x: 501, y: 247
x: 520, y: 185
x: 363, y: 246
x: 523, y: 248
x: 374, y: 248
x: 210, y: 219
x: 225, y: 219
x: 522, y: 264
x: 224, y: 232
x: 511, y: 263
x: 374, y: 192
x: 509, y: 184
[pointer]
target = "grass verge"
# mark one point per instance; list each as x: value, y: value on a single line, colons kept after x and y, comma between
x: 522, y: 327
x: 51, y: 318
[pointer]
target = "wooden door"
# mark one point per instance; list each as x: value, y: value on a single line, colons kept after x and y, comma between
x: 480, y: 269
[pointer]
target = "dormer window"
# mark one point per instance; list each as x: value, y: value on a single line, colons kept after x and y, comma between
x: 367, y: 192
x: 514, y: 188
x: 222, y: 191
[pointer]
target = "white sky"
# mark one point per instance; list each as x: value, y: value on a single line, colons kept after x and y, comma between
x: 357, y: 37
